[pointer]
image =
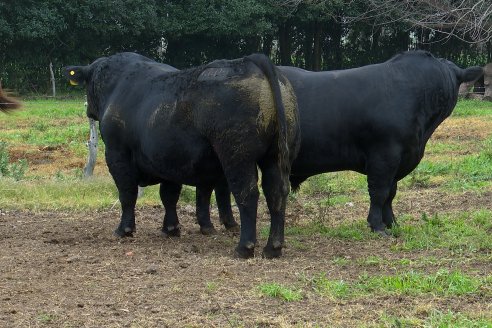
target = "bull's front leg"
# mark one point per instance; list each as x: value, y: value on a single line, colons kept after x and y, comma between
x: 125, y: 177
x: 388, y: 215
x: 380, y: 180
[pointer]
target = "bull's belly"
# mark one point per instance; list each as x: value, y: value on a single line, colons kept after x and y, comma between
x: 310, y: 163
x: 179, y: 170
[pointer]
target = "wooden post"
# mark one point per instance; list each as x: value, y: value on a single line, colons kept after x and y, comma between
x: 92, y: 157
x: 92, y: 144
x: 52, y: 78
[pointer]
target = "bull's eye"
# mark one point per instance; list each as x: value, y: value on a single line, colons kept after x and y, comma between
x: 72, y: 73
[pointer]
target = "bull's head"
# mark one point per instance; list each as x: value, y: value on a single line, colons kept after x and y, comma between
x: 464, y: 75
x: 82, y: 75
x: 76, y: 74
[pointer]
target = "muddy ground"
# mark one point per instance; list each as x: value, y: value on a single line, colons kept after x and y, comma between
x: 66, y: 269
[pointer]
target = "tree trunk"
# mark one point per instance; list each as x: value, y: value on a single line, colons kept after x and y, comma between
x: 267, y: 45
x: 318, y: 37
x: 308, y: 47
x: 284, y: 44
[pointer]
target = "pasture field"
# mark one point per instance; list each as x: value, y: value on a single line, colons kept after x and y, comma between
x: 60, y: 265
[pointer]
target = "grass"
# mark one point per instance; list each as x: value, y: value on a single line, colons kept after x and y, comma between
x: 438, y: 319
x: 282, y: 292
x: 466, y: 108
x: 440, y: 283
x: 464, y: 231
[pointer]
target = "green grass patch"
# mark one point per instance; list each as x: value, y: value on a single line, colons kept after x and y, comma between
x: 438, y: 319
x: 458, y: 232
x: 68, y: 192
x: 443, y: 283
x: 468, y: 107
x: 282, y: 292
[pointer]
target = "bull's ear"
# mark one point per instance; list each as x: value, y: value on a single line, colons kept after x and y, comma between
x: 471, y: 74
x: 76, y: 74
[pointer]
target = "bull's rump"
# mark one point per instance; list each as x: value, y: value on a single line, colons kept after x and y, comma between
x: 176, y: 127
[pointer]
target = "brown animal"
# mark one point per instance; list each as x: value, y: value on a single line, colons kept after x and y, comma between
x: 487, y: 82
x: 7, y: 103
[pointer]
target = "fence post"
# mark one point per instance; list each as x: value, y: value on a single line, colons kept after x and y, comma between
x: 92, y: 145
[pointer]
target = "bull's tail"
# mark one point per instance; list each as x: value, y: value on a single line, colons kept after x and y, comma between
x: 7, y: 104
x: 267, y: 67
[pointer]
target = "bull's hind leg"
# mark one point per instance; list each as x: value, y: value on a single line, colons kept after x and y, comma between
x: 388, y: 215
x: 169, y: 192
x: 203, y: 194
x: 243, y: 183
x: 125, y: 178
x: 223, y: 197
x: 276, y: 188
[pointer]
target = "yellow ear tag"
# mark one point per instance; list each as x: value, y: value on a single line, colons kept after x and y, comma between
x: 72, y: 82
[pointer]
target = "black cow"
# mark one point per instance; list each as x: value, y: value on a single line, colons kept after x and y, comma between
x: 195, y: 127
x: 374, y: 120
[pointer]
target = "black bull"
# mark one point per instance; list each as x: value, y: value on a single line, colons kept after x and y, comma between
x: 375, y: 120
x: 196, y: 127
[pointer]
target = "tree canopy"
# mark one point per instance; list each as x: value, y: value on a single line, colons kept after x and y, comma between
x: 313, y: 34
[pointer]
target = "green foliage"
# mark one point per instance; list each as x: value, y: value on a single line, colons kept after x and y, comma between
x: 15, y: 170
x: 279, y: 291
x: 311, y: 34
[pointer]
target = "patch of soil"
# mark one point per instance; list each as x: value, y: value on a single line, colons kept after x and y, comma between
x: 48, y: 160
x: 67, y: 269
x: 463, y: 128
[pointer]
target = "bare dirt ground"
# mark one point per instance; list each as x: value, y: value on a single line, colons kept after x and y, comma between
x: 66, y: 269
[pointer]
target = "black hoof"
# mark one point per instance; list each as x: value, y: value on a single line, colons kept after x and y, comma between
x: 230, y: 224
x: 233, y: 228
x: 175, y: 232
x: 242, y: 252
x: 126, y: 232
x: 271, y: 253
x: 382, y: 233
x: 207, y: 231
